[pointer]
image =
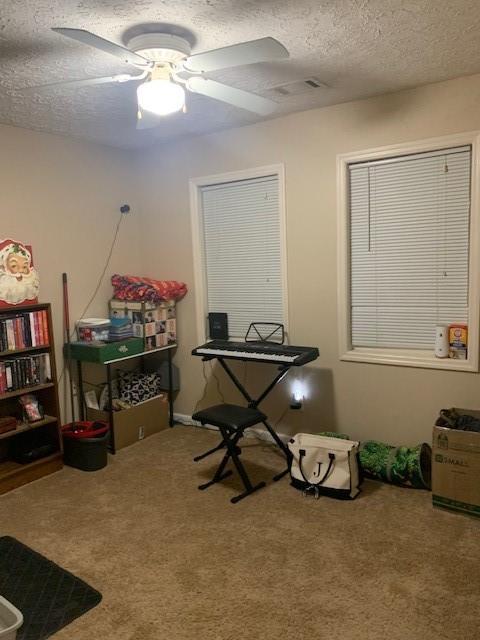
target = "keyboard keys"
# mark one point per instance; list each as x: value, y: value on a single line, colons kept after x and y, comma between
x: 246, y: 355
x: 257, y: 351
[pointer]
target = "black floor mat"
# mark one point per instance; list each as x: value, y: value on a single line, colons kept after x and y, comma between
x: 48, y: 596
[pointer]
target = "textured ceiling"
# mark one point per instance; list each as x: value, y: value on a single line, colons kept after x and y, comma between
x: 358, y: 48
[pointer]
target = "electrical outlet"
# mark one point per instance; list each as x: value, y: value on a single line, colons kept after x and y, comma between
x: 141, y: 433
x: 296, y: 402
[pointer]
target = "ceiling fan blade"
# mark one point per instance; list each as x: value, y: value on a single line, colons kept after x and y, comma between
x: 237, y: 97
x: 119, y: 79
x: 261, y: 50
x: 85, y: 37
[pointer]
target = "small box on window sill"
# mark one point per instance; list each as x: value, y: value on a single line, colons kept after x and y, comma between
x: 155, y: 323
x: 458, y: 341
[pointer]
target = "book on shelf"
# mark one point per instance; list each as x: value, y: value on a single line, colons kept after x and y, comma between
x: 25, y: 371
x: 24, y: 330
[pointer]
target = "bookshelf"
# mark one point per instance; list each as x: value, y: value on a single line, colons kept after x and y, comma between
x: 27, y: 366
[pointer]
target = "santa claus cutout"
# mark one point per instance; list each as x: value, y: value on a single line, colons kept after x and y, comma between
x: 18, y: 277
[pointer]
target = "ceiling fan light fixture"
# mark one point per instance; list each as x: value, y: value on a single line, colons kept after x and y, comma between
x: 161, y: 97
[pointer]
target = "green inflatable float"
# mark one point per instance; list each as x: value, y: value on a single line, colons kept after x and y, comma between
x: 404, y: 466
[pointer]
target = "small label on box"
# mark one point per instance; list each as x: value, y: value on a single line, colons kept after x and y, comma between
x: 161, y: 339
x: 150, y: 329
x: 137, y: 330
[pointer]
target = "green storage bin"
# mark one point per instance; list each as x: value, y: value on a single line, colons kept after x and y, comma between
x: 104, y: 352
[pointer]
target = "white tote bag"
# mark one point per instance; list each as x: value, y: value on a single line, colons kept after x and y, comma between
x: 324, y: 466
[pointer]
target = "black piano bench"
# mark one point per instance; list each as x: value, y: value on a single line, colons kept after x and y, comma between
x: 231, y: 420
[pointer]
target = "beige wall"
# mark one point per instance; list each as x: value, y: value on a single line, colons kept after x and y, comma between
x: 63, y: 197
x: 395, y: 404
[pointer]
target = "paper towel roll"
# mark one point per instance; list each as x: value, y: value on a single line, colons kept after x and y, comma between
x: 441, y: 341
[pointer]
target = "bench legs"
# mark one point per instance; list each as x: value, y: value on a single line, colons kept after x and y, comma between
x: 210, y: 451
x: 230, y: 440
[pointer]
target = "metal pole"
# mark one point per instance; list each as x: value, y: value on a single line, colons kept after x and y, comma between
x: 66, y: 316
x: 170, y: 388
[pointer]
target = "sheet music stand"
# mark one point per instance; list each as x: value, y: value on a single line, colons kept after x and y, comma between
x: 265, y: 332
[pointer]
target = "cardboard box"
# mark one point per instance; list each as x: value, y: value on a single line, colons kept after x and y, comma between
x: 155, y: 323
x: 136, y: 423
x: 458, y: 341
x: 456, y: 468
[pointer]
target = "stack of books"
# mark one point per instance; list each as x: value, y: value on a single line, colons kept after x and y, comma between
x: 23, y: 330
x: 25, y: 372
x: 120, y: 329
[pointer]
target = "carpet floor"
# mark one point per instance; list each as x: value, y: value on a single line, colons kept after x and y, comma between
x: 176, y: 563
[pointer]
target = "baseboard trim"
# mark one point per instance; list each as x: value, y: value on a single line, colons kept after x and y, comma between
x: 185, y: 419
x: 253, y: 432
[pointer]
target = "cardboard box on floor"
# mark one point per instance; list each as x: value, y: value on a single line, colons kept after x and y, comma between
x: 456, y: 468
x: 138, y: 422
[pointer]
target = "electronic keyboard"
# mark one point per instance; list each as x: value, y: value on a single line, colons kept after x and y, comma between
x: 269, y: 352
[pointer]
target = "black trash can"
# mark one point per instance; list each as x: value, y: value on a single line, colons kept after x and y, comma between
x: 85, y: 445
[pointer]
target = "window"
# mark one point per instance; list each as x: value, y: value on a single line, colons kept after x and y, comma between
x: 239, y: 244
x: 409, y: 255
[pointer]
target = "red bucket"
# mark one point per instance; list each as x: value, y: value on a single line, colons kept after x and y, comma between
x: 84, y: 429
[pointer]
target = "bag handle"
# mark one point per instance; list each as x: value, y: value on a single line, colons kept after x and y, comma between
x: 302, y: 454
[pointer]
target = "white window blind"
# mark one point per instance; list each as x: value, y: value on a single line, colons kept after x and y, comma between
x: 242, y: 251
x: 409, y: 247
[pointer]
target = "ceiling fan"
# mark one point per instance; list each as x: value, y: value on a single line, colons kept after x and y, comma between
x: 168, y: 69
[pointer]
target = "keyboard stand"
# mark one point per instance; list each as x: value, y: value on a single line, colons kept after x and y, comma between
x: 253, y: 404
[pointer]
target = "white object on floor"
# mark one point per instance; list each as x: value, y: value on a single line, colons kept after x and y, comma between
x: 11, y: 619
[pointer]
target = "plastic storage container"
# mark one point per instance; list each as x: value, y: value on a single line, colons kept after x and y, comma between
x: 93, y: 329
x: 11, y: 619
x: 86, y: 446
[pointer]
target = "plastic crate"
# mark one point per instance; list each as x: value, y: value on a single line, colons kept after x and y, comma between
x: 11, y: 619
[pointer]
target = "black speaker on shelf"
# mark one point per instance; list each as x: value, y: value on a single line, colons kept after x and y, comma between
x: 218, y: 326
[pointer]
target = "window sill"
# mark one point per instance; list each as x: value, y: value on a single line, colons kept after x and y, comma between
x: 408, y: 358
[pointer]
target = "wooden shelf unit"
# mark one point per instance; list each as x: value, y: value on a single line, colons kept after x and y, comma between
x: 27, y: 426
x: 24, y: 390
x: 13, y: 474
